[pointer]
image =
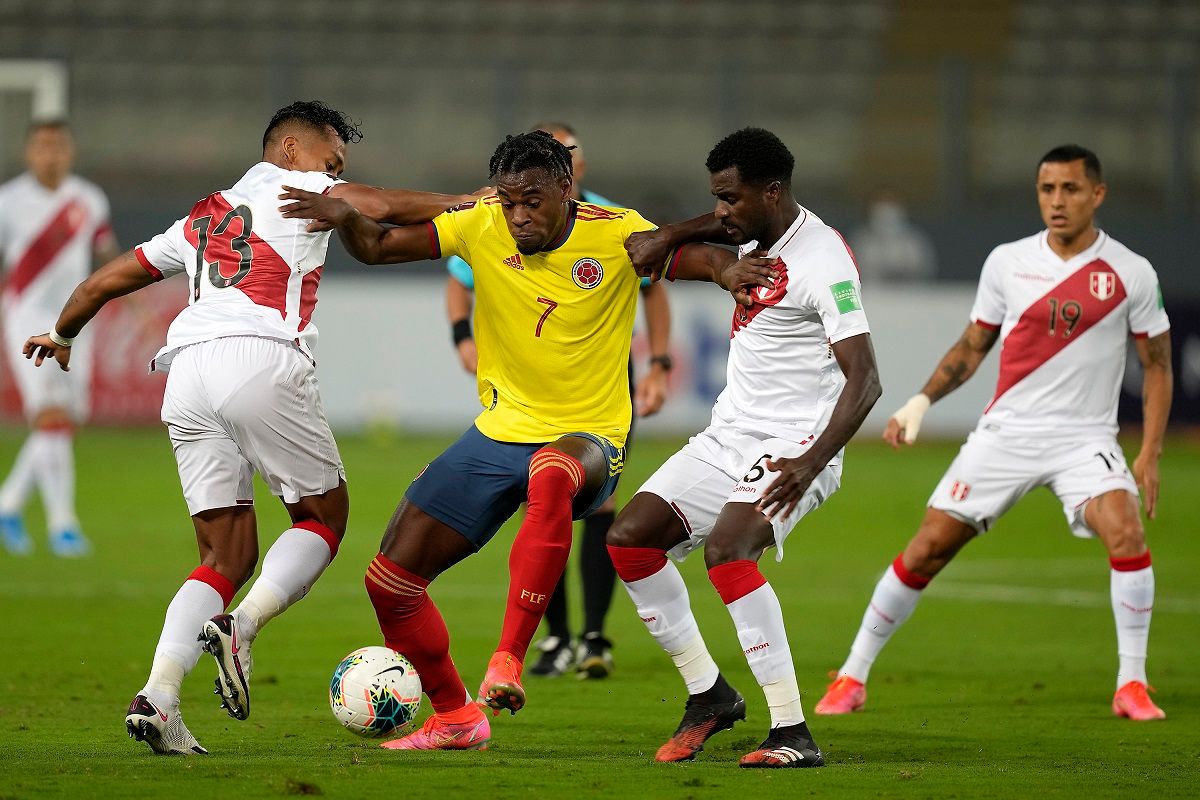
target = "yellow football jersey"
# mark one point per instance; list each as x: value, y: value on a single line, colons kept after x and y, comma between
x: 552, y: 328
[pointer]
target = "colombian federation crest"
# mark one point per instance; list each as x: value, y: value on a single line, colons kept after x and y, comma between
x: 587, y: 273
x: 1103, y: 285
x: 960, y: 490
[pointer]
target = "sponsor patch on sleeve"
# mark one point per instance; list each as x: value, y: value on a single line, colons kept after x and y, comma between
x: 1160, y: 299
x: 845, y: 296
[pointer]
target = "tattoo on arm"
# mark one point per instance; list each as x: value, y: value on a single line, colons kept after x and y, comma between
x: 1158, y: 352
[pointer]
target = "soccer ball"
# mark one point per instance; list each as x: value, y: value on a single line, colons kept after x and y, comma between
x: 375, y: 692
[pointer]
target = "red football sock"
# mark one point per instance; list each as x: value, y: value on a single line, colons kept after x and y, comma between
x: 539, y: 553
x: 413, y: 627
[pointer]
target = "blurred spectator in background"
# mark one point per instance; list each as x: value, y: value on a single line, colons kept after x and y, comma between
x: 889, y: 248
x: 52, y: 225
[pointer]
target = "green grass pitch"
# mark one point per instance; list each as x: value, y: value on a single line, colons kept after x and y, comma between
x: 998, y: 687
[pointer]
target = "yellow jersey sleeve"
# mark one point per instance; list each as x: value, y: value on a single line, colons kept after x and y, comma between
x: 454, y: 231
x: 635, y: 223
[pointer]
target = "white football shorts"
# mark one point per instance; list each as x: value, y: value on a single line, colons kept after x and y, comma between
x: 244, y: 404
x: 46, y: 386
x: 993, y: 471
x: 722, y: 465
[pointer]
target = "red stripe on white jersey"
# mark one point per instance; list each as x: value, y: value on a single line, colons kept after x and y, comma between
x: 1044, y: 328
x: 46, y: 246
x: 308, y: 296
x: 762, y: 298
x: 266, y: 283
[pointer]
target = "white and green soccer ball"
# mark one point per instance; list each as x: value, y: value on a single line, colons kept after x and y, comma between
x: 375, y: 691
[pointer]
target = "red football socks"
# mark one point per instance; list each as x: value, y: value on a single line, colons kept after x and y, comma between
x: 539, y: 553
x: 413, y: 626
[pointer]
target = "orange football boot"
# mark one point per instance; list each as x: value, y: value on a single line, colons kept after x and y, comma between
x: 501, y: 688
x: 842, y: 696
x: 1133, y: 701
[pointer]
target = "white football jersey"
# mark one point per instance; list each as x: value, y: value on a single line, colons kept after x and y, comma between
x: 1064, y: 327
x: 48, y: 239
x: 782, y: 377
x: 251, y: 272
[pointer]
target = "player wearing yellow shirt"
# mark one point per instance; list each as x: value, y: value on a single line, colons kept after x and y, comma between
x: 556, y: 298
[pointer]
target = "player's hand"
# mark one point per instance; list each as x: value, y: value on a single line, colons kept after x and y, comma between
x: 784, y: 493
x: 1145, y: 472
x: 39, y: 348
x: 651, y: 392
x: 468, y: 356
x: 905, y: 424
x: 740, y: 277
x: 325, y: 212
x: 649, y: 251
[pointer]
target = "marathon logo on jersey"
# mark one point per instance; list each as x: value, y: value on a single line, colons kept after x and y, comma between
x: 514, y: 261
x: 845, y: 296
x: 1102, y: 285
x: 960, y: 490
x: 587, y: 273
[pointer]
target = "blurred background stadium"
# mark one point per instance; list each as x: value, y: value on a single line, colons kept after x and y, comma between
x: 916, y: 125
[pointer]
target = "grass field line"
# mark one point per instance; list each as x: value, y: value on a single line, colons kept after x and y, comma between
x: 1034, y: 595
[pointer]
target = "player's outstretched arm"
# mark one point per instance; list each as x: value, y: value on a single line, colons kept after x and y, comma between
x: 738, y: 276
x: 651, y: 390
x: 649, y: 250
x: 364, y: 238
x: 856, y: 356
x: 1157, y: 385
x: 119, y: 277
x: 955, y: 368
x: 459, y: 303
x: 396, y: 206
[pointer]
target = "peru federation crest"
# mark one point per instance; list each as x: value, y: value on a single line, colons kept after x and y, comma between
x: 959, y: 490
x: 587, y: 273
x: 1102, y: 285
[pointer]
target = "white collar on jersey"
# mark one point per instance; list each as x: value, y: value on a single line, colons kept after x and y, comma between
x: 1092, y: 249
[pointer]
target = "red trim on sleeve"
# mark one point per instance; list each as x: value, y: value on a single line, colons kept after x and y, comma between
x: 146, y: 265
x: 987, y: 325
x: 435, y: 245
x: 217, y: 581
x: 1131, y: 564
x: 324, y: 531
x: 1142, y: 335
x: 909, y: 579
x: 673, y: 263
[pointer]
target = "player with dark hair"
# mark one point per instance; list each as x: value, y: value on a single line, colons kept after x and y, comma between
x: 801, y: 379
x: 241, y: 398
x: 1063, y: 303
x: 54, y: 226
x: 592, y: 657
x: 556, y: 298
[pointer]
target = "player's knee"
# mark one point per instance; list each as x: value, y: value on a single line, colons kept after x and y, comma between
x: 1125, y: 539
x: 626, y: 532
x: 724, y: 551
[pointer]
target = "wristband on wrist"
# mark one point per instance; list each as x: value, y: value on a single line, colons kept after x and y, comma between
x: 461, y: 330
x: 59, y: 339
x: 663, y: 361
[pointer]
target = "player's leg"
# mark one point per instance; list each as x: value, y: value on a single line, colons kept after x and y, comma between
x: 1114, y: 517
x: 271, y: 404
x: 54, y: 468
x: 599, y: 579
x: 741, y: 534
x: 14, y: 493
x: 571, y: 471
x: 673, y: 514
x: 556, y: 650
x: 1100, y: 498
x: 938, y: 539
x: 228, y: 543
x: 985, y: 479
x: 452, y: 509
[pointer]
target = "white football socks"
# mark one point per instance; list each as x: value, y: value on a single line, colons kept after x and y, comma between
x: 54, y: 466
x: 758, y: 619
x: 20, y: 480
x: 1132, y: 604
x: 289, y: 570
x: 178, y: 648
x: 891, y: 604
x: 663, y: 604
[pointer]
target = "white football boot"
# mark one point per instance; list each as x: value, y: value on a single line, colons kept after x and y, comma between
x: 162, y: 729
x: 222, y: 641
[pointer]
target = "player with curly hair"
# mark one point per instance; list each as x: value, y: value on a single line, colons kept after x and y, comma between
x: 556, y: 298
x: 801, y: 379
x: 242, y: 398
